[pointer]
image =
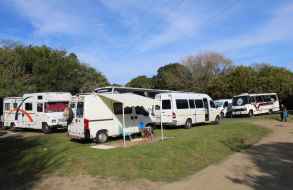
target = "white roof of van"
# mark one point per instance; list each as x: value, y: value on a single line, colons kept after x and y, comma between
x: 129, y: 99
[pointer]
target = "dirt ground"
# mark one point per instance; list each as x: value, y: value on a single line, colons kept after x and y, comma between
x: 268, y: 165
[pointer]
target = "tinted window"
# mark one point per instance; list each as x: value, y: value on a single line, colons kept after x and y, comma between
x: 128, y: 110
x: 212, y: 104
x: 139, y: 110
x: 7, y: 106
x: 117, y: 108
x: 226, y: 104
x: 259, y: 98
x: 273, y: 98
x: 40, y: 107
x: 240, y: 100
x: 181, y: 104
x: 166, y: 104
x: 40, y: 97
x: 205, y: 103
x: 252, y: 99
x: 198, y: 103
x: 79, y: 110
x: 28, y: 106
x: 191, y: 104
x: 14, y: 105
x: 267, y: 99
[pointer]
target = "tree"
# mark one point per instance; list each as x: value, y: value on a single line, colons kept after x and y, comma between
x: 204, y: 67
x: 173, y: 76
x: 141, y: 82
x: 39, y: 68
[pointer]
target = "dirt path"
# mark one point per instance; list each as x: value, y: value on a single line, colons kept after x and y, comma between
x: 268, y: 165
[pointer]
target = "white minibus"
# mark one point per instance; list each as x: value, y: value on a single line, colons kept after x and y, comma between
x: 185, y: 109
x: 254, y: 104
x: 224, y: 106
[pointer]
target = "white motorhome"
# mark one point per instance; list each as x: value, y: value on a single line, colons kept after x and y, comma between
x: 254, y: 104
x: 224, y: 106
x: 98, y: 116
x: 185, y: 109
x: 10, y: 105
x: 43, y: 111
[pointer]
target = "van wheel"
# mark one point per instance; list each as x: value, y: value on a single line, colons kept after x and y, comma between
x: 250, y: 113
x: 188, y: 124
x: 101, y: 137
x: 45, y: 128
x: 12, y: 126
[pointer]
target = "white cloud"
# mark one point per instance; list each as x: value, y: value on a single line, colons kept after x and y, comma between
x: 49, y: 17
x: 278, y: 28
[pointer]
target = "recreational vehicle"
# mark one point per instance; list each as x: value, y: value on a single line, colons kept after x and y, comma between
x: 10, y: 105
x: 254, y: 104
x: 42, y: 111
x: 185, y: 109
x: 224, y: 106
x: 98, y: 116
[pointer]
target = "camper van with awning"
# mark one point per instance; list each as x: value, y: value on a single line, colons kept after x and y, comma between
x: 98, y: 116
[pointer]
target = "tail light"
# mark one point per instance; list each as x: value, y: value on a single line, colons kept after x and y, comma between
x: 173, y: 115
x: 85, y: 123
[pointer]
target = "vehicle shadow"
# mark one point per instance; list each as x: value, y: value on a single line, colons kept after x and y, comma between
x: 275, y: 162
x: 20, y: 170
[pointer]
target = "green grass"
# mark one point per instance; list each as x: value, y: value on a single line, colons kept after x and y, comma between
x: 190, y: 151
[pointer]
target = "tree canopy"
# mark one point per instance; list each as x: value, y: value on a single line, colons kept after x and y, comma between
x: 36, y: 69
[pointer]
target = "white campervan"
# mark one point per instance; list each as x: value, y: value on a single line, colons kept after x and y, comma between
x: 43, y: 111
x: 224, y: 106
x: 10, y: 105
x: 101, y: 115
x: 185, y: 109
x: 254, y: 104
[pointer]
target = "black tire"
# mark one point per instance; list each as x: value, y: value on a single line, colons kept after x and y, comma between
x: 101, y: 137
x: 12, y: 127
x: 46, y: 129
x: 188, y: 124
x: 250, y: 114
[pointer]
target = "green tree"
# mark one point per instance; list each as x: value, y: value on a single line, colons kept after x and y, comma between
x: 141, y: 82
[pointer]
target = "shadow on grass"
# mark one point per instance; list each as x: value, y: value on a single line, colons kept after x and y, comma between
x: 23, y: 161
x: 275, y: 161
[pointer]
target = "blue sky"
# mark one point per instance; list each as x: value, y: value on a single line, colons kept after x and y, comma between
x: 126, y: 38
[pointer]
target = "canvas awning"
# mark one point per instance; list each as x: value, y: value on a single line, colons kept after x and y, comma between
x: 129, y: 99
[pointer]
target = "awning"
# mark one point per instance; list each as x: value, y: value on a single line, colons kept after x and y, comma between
x: 129, y: 99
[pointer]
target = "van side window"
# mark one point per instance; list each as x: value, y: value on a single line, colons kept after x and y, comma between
x: 40, y: 107
x: 191, y: 104
x: 7, y: 106
x: 139, y: 110
x: 181, y: 104
x: 259, y: 99
x: 117, y: 108
x: 128, y: 110
x: 166, y: 104
x: 252, y: 99
x: 267, y: 99
x: 79, y: 110
x: 28, y: 106
x: 273, y: 98
x: 226, y: 104
x: 212, y: 104
x: 198, y: 103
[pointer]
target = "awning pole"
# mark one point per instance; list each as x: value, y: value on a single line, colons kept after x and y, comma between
x: 123, y: 127
x: 162, y: 130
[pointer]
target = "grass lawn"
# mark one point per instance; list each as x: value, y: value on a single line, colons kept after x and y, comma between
x: 25, y: 159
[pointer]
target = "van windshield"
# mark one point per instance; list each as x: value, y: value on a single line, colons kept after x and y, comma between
x: 240, y: 100
x: 55, y: 106
x: 219, y: 104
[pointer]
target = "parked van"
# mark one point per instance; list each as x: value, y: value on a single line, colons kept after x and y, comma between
x: 10, y: 105
x: 185, y: 109
x: 254, y: 104
x: 98, y: 116
x: 225, y: 107
x: 42, y: 111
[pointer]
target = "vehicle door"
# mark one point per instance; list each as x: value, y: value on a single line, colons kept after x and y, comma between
x: 27, y: 116
x: 207, y: 109
x: 192, y: 110
x: 213, y: 111
x: 77, y: 125
x: 166, y: 116
x: 199, y: 111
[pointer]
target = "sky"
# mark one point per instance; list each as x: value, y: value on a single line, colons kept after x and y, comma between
x: 127, y: 38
